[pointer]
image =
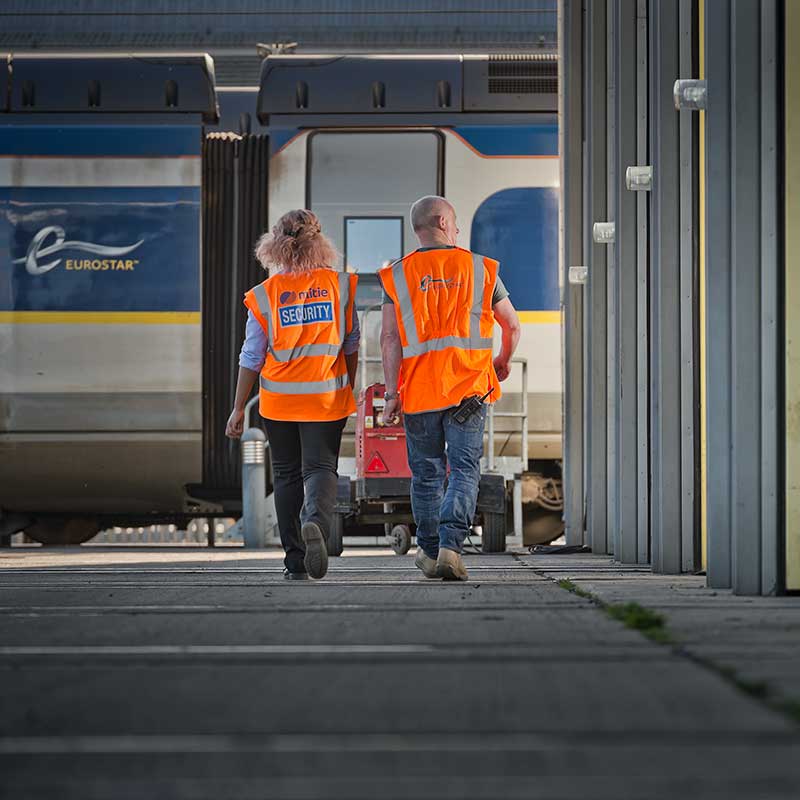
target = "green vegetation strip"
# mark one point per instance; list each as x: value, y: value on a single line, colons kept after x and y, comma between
x: 631, y: 615
x: 653, y: 626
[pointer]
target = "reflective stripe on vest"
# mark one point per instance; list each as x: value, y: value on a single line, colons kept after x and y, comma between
x: 305, y: 387
x: 417, y: 348
x: 306, y: 349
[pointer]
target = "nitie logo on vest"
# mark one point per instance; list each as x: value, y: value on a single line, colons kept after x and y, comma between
x: 37, y: 249
x: 304, y: 313
x: 429, y: 282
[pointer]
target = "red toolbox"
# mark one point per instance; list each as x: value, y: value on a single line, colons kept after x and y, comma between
x: 380, y: 448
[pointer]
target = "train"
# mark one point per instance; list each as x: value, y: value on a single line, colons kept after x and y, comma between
x: 132, y: 189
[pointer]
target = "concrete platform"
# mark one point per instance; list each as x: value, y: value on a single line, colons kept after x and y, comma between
x: 163, y: 672
x: 756, y: 639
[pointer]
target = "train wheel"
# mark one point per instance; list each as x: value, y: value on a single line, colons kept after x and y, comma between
x: 336, y: 536
x: 400, y: 539
x: 494, y: 533
x: 63, y: 531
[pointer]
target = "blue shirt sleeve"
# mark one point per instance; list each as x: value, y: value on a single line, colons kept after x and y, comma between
x: 351, y: 341
x: 254, y: 349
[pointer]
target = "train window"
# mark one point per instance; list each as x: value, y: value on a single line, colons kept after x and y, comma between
x: 372, y: 242
x: 371, y: 174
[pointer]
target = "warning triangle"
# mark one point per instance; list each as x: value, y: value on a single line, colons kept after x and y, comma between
x: 376, y: 464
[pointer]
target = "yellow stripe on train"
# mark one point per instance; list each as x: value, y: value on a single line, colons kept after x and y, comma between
x: 176, y: 317
x: 540, y: 317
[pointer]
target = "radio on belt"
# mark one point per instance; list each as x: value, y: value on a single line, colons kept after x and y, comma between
x: 469, y: 407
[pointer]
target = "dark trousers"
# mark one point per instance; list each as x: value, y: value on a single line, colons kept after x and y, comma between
x: 304, y: 458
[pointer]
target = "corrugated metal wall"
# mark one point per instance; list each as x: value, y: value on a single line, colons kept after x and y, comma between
x: 742, y: 277
x: 638, y: 343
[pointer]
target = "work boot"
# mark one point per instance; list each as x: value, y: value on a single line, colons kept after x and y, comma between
x: 449, y: 566
x: 316, y: 560
x: 426, y: 564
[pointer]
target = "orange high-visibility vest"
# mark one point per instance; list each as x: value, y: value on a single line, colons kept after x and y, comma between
x: 305, y: 317
x: 443, y: 303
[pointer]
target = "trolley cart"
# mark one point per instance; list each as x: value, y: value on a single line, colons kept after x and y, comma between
x: 380, y: 490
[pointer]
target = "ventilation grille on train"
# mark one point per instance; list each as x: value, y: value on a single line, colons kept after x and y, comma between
x: 523, y: 74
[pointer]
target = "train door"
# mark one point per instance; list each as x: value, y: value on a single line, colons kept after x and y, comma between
x: 361, y: 185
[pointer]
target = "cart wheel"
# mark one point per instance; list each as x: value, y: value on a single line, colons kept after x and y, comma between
x: 494, y: 532
x: 336, y: 535
x: 400, y: 539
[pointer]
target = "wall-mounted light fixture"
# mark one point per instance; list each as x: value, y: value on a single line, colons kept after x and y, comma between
x: 690, y: 95
x: 578, y: 275
x: 604, y: 232
x: 639, y: 179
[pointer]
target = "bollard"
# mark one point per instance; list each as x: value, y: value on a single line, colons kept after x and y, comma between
x: 254, y: 488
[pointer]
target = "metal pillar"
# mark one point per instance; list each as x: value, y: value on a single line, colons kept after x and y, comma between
x: 718, y: 322
x: 688, y: 126
x: 570, y: 130
x: 254, y: 492
x: 791, y: 300
x: 770, y: 282
x: 625, y: 284
x: 742, y: 269
x: 595, y: 196
x: 665, y: 259
x: 612, y: 479
x: 642, y: 290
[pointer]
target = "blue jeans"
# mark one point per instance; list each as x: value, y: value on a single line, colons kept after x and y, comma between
x: 433, y: 440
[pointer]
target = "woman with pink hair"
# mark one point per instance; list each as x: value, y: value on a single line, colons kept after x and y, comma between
x: 301, y: 344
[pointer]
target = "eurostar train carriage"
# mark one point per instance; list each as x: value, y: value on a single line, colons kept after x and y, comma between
x: 127, y: 220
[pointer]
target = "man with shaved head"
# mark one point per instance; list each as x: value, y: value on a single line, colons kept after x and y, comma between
x: 426, y: 212
x: 439, y: 309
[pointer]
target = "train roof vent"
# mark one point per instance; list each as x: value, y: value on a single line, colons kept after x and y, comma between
x: 513, y: 82
x: 359, y: 84
x: 523, y: 74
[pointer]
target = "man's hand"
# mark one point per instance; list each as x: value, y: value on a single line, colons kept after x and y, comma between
x: 502, y: 368
x: 391, y: 412
x: 235, y: 425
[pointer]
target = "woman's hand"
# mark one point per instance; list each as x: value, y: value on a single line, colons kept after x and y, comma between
x: 235, y: 425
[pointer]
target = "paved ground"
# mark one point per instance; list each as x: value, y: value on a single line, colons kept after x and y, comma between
x: 131, y: 673
x: 756, y: 640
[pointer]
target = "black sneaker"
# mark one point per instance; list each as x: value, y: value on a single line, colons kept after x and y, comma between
x: 288, y: 575
x: 316, y: 560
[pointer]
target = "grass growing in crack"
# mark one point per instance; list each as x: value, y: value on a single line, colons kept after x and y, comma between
x: 632, y: 615
x: 564, y: 583
x: 653, y: 626
x: 641, y: 619
x: 758, y: 689
x: 792, y: 708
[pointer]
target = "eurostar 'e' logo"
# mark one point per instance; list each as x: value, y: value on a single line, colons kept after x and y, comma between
x: 39, y: 249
